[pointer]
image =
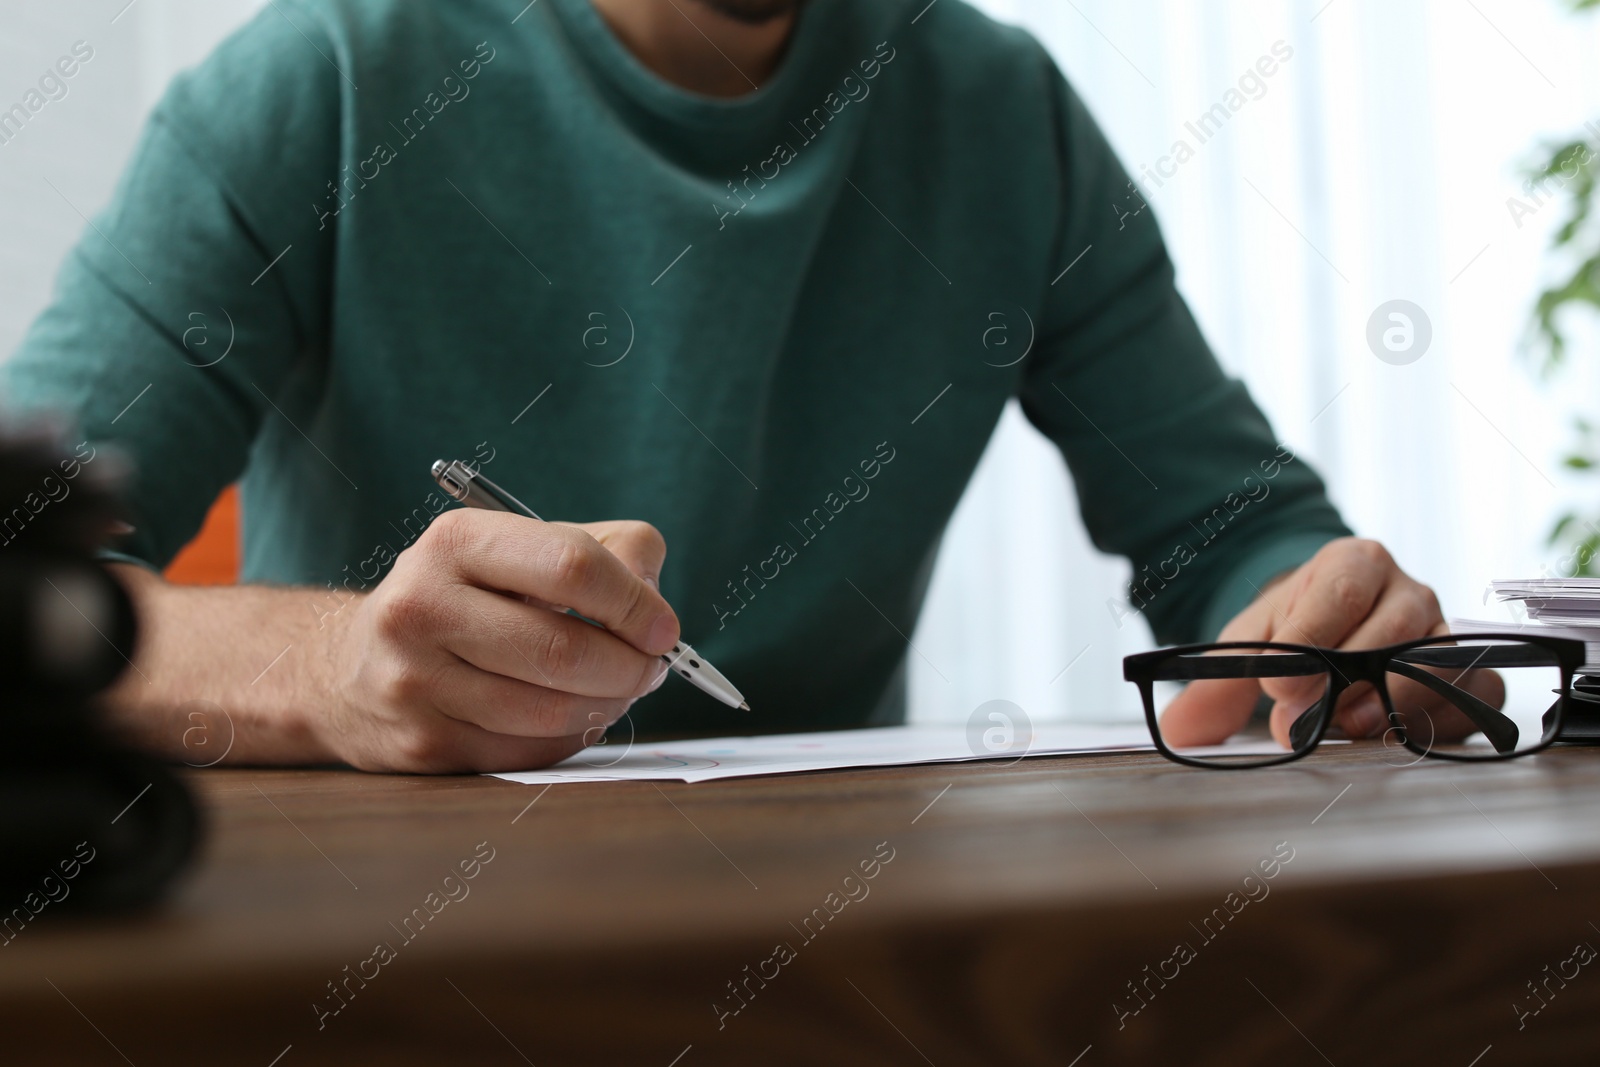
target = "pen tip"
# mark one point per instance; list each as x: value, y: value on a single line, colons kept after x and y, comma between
x: 743, y: 706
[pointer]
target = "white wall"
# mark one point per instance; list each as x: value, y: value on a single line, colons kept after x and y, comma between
x: 1390, y: 141
x: 79, y: 143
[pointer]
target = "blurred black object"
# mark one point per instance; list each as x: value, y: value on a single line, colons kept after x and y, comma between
x: 1582, y: 725
x: 84, y: 822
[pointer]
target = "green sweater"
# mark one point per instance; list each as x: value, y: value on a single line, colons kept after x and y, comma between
x: 366, y: 234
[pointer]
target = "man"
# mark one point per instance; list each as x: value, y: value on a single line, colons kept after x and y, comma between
x: 711, y: 274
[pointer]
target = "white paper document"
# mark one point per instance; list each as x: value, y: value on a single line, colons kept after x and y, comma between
x: 1588, y: 633
x: 740, y: 757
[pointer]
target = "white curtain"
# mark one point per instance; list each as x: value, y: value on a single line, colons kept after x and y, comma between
x: 1374, y: 164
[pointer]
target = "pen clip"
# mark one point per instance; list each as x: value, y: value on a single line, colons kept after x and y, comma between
x: 509, y: 502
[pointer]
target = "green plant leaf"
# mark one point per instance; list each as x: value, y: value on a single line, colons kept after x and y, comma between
x: 1562, y: 525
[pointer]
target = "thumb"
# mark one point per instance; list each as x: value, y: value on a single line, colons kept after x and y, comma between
x: 1209, y: 712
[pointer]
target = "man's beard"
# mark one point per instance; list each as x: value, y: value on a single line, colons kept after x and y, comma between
x: 754, y: 12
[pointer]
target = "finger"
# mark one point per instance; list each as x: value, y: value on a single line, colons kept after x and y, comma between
x: 556, y: 564
x: 1342, y: 585
x: 1254, y: 623
x: 1405, y: 611
x: 1361, y: 712
x: 1427, y: 714
x: 1429, y: 717
x: 540, y: 647
x: 1284, y: 715
x: 1339, y: 589
x: 1209, y: 712
x: 1301, y: 691
x: 505, y: 706
x: 638, y: 545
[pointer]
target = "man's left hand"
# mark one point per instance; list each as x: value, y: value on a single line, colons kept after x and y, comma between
x: 1350, y: 595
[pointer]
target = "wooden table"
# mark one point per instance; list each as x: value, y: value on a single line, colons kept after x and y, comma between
x: 1020, y: 905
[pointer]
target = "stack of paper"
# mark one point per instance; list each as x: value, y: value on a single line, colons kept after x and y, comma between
x: 1589, y: 635
x: 1575, y: 601
x: 1553, y: 607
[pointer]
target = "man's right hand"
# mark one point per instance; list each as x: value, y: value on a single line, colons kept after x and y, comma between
x: 463, y: 658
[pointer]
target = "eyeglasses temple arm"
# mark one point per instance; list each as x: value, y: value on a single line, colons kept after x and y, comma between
x: 1501, y: 731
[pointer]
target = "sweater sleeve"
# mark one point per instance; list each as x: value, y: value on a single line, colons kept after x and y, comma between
x: 1175, y: 466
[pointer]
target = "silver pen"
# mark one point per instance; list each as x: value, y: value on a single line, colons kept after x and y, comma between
x: 472, y: 488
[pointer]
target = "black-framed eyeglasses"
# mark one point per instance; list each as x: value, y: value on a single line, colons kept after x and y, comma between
x: 1462, y: 697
